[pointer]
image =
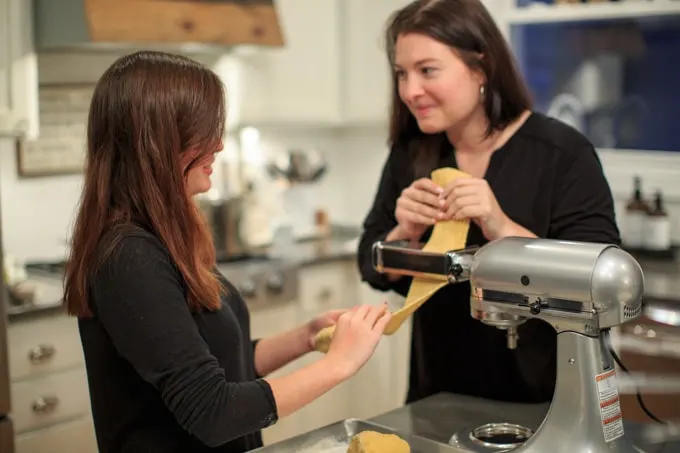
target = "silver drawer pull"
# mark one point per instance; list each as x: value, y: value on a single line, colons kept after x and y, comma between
x: 325, y: 295
x: 44, y: 404
x: 41, y: 353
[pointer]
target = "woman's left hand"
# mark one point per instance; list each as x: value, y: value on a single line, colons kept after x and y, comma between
x: 472, y: 198
x: 327, y: 319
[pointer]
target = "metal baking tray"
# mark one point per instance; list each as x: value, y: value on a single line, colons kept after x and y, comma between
x: 332, y: 438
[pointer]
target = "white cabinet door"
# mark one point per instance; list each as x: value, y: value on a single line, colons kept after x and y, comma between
x: 326, y: 287
x: 380, y: 385
x: 75, y: 436
x: 367, y: 72
x: 299, y: 83
x: 270, y: 320
x: 18, y: 70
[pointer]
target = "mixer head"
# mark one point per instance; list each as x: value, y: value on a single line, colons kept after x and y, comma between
x: 576, y: 286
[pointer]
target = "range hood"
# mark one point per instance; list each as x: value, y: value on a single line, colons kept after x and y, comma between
x: 186, y: 25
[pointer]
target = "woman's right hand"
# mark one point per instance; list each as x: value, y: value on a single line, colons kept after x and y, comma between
x: 419, y: 207
x: 357, y: 334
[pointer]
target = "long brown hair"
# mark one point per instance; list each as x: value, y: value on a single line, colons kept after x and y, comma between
x: 467, y: 27
x: 147, y: 110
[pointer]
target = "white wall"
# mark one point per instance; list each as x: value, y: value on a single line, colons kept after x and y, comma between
x: 37, y: 213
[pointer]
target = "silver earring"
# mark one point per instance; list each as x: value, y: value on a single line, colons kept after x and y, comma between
x: 482, y: 90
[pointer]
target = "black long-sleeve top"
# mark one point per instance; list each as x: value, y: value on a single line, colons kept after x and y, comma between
x: 163, y: 379
x: 547, y: 178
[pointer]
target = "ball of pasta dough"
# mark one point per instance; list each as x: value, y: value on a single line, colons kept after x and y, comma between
x: 374, y: 442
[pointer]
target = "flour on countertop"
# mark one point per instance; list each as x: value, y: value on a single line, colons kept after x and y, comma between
x: 327, y: 445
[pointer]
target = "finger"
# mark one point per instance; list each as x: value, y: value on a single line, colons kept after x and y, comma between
x: 334, y: 314
x: 465, y: 181
x: 420, y: 208
x: 457, y: 191
x: 468, y: 212
x: 361, y: 312
x: 459, y: 203
x: 374, y: 313
x: 344, y: 319
x: 332, y: 317
x: 422, y: 197
x: 427, y: 185
x: 418, y: 219
x: 413, y: 217
x: 381, y: 323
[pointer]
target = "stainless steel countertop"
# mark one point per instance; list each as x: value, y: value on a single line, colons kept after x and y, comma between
x: 440, y: 416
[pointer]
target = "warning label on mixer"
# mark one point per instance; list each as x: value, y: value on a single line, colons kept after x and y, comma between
x: 610, y: 407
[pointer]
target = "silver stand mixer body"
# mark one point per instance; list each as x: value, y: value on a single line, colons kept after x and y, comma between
x: 581, y: 289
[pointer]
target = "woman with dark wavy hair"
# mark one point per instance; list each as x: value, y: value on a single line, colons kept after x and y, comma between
x: 169, y: 357
x: 458, y: 101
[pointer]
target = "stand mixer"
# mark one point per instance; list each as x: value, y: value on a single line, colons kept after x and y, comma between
x: 581, y: 289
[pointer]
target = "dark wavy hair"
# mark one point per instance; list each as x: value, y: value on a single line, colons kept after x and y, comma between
x: 147, y: 110
x: 469, y: 30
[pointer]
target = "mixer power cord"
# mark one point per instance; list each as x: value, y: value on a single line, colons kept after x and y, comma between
x: 638, y: 394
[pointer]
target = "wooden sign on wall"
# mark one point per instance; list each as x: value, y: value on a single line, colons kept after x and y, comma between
x: 60, y: 148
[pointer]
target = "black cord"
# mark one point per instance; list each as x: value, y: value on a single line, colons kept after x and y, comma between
x: 662, y: 446
x: 637, y: 389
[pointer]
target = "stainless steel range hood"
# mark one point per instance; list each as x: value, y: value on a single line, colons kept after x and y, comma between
x: 188, y: 25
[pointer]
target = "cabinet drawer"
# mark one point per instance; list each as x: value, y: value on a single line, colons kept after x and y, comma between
x: 326, y: 287
x: 49, y: 400
x: 76, y: 436
x: 44, y: 345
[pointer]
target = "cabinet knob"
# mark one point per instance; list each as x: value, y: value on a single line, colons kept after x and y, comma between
x: 275, y: 284
x: 44, y: 404
x: 247, y: 288
x: 325, y: 295
x: 41, y: 353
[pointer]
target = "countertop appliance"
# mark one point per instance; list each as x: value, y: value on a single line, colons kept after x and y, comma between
x: 582, y: 290
x: 224, y: 214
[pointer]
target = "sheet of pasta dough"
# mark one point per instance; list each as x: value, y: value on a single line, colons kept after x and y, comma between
x: 446, y: 235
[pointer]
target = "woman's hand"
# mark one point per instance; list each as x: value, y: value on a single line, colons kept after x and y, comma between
x: 419, y: 207
x: 472, y: 198
x: 357, y: 334
x: 327, y: 319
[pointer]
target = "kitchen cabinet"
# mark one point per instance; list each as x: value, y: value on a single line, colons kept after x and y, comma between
x: 18, y: 71
x: 60, y: 438
x: 324, y: 287
x: 379, y: 386
x: 50, y: 397
x: 297, y: 84
x: 267, y: 320
x: 366, y: 81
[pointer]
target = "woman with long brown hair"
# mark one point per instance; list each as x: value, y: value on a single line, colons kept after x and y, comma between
x: 170, y: 362
x: 459, y: 101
